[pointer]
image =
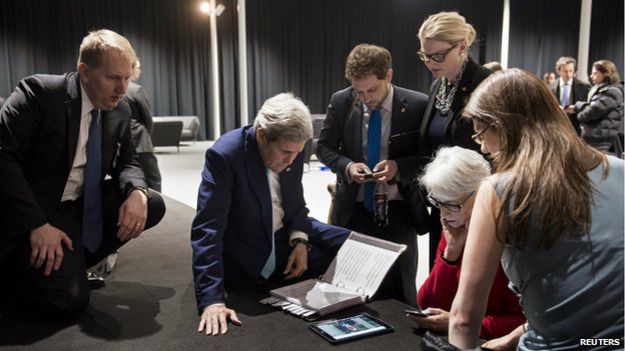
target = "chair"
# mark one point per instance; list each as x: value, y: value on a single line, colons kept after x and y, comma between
x: 167, y: 133
x: 190, y: 125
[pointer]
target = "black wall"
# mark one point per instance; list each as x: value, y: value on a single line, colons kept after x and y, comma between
x: 293, y: 45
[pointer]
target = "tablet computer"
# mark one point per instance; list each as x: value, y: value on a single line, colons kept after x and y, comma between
x: 350, y: 328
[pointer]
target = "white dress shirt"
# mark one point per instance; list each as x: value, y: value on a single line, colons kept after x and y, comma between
x: 75, y: 183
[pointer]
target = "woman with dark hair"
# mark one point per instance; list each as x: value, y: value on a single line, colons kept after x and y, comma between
x: 445, y: 40
x: 601, y: 116
x: 551, y: 213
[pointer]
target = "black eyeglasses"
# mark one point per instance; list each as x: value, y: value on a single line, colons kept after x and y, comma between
x: 436, y: 57
x: 451, y: 207
x: 479, y: 137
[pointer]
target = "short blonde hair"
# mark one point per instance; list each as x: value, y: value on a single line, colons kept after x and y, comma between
x: 98, y: 42
x: 449, y: 27
x: 285, y: 116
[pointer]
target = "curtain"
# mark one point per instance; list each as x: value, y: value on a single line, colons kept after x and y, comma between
x: 301, y: 46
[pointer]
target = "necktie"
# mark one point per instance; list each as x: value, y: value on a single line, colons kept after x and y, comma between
x: 276, y: 219
x: 564, y: 100
x: 270, y: 265
x: 373, y: 153
x: 92, y: 197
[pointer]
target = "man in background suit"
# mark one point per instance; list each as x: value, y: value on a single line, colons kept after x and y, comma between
x: 141, y: 129
x: 252, y: 228
x: 344, y: 146
x: 59, y: 137
x: 568, y: 89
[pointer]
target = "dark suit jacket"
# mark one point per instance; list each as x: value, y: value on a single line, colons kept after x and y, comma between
x: 579, y: 92
x: 458, y: 130
x: 141, y: 124
x: 232, y: 230
x: 39, y: 127
x: 340, y: 143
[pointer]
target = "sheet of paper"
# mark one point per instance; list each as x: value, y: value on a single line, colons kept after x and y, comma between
x: 361, y: 267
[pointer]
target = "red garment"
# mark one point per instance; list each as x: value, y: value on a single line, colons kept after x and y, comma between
x: 503, y: 311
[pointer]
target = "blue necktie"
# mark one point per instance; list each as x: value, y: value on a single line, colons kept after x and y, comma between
x: 373, y: 153
x: 92, y: 197
x: 564, y: 101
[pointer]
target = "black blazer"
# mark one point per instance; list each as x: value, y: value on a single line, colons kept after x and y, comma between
x: 340, y: 142
x: 579, y: 92
x: 458, y: 130
x: 141, y: 124
x: 39, y: 127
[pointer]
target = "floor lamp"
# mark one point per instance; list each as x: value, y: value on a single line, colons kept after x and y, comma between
x: 213, y: 11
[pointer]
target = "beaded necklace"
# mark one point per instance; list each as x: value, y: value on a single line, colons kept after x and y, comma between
x: 444, y: 98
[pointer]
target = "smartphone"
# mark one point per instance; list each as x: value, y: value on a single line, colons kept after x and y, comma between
x: 367, y: 175
x: 416, y: 313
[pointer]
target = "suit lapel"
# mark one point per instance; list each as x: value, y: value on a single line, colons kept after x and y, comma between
x: 399, y: 112
x: 72, y: 110
x: 256, y: 173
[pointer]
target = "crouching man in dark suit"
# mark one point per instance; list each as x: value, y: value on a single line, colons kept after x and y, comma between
x: 252, y: 228
x: 59, y: 137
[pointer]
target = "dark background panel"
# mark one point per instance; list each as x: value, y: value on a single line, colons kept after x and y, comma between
x: 541, y: 32
x: 293, y: 45
x: 606, y: 33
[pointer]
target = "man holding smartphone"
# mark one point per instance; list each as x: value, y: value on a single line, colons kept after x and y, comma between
x: 364, y: 124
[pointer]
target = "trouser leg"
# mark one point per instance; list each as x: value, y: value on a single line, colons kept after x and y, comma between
x: 149, y: 163
x: 112, y: 199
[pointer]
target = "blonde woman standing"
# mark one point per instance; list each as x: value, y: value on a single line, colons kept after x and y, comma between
x: 445, y: 40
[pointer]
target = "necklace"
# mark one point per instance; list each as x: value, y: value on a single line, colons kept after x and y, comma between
x: 444, y: 98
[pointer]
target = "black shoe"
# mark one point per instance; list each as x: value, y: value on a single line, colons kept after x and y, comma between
x: 95, y: 281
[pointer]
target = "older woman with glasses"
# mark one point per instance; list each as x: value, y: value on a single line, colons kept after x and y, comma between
x: 451, y: 181
x: 445, y: 40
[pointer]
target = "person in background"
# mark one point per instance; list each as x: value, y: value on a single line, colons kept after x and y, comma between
x: 141, y: 129
x: 451, y: 181
x: 356, y: 140
x: 568, y: 89
x: 445, y: 40
x: 493, y: 66
x: 601, y: 116
x: 60, y: 137
x: 549, y: 78
x: 551, y: 215
x: 252, y: 229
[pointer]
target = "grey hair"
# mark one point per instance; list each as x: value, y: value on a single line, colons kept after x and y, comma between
x: 454, y: 172
x: 285, y: 116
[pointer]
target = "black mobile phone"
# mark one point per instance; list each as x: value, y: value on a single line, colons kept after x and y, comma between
x: 367, y: 175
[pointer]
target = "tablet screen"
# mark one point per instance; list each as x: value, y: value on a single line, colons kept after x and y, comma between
x: 352, y: 327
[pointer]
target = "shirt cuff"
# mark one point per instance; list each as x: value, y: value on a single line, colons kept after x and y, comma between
x: 217, y: 304
x: 296, y: 234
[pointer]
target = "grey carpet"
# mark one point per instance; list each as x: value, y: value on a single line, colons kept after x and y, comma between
x: 148, y: 304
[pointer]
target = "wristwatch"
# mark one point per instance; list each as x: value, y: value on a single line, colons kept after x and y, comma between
x: 296, y: 241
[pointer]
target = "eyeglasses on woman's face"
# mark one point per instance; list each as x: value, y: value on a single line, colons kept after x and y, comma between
x: 479, y: 136
x: 449, y: 206
x: 437, y: 56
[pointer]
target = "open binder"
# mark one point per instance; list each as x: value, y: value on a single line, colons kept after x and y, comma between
x: 352, y: 278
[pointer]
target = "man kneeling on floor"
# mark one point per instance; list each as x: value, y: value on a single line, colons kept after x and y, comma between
x: 251, y: 229
x: 59, y: 137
